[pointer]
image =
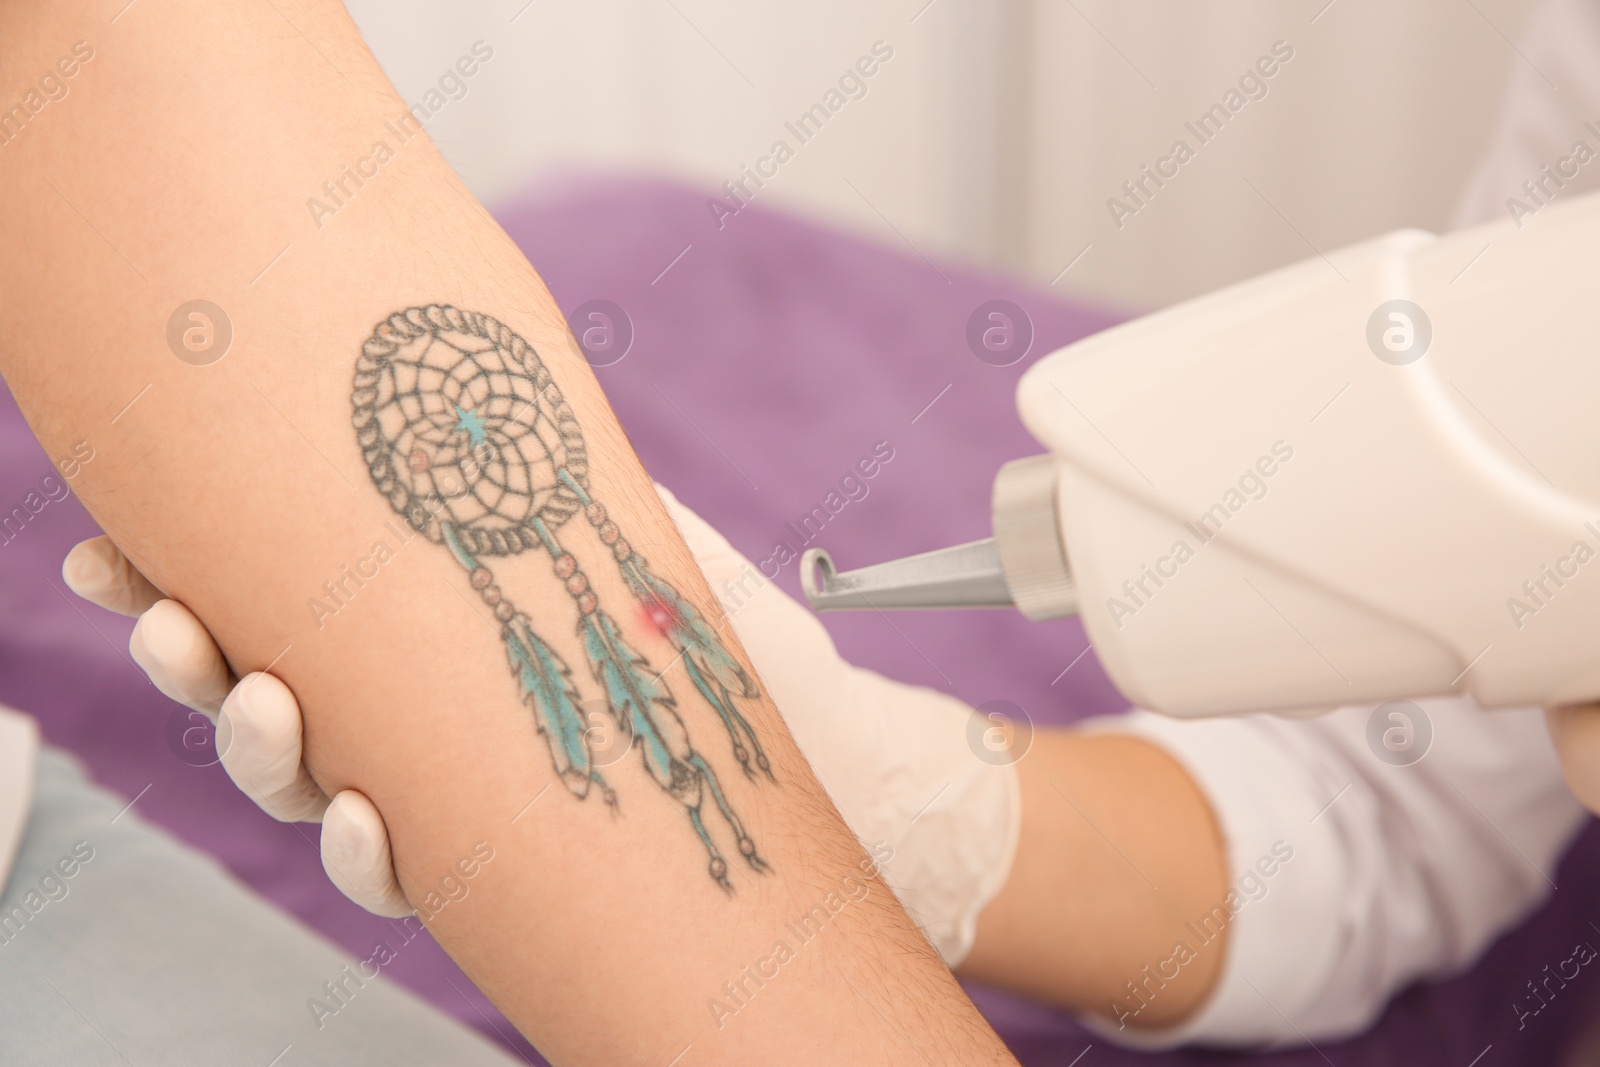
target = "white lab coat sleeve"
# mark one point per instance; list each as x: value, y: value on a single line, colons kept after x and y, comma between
x: 1550, y: 108
x: 1352, y: 877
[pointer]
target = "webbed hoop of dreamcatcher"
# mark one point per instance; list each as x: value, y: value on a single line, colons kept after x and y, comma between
x: 460, y: 422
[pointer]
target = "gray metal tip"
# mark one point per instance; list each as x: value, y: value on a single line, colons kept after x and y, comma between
x: 966, y: 576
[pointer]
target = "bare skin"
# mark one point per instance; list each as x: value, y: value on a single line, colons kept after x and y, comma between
x: 1576, y: 732
x: 1119, y: 849
x: 179, y: 166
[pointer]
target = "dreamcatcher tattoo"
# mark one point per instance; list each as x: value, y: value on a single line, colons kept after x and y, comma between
x: 467, y: 435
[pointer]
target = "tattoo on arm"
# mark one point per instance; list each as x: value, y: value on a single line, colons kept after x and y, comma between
x: 468, y: 437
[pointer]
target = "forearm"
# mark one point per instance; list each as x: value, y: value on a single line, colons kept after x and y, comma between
x: 1119, y: 854
x: 311, y: 521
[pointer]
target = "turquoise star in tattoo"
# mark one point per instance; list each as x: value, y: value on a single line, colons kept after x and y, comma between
x: 472, y: 423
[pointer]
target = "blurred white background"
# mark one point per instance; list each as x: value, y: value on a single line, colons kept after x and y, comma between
x: 999, y: 128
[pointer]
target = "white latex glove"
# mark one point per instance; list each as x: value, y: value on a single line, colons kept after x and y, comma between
x: 897, y: 760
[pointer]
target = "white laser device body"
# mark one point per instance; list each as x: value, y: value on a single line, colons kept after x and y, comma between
x: 1294, y: 493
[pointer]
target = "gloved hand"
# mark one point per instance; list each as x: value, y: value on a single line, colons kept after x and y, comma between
x: 897, y: 760
x: 258, y: 724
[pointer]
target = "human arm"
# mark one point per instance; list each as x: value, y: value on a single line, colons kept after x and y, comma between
x: 241, y: 489
x: 910, y: 770
x: 1031, y: 876
x: 1366, y: 851
x: 1576, y: 733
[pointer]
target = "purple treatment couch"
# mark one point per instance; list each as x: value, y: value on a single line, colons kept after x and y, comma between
x: 767, y: 358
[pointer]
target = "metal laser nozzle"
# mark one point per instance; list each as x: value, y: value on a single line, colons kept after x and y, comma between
x: 1023, y: 565
x: 965, y: 576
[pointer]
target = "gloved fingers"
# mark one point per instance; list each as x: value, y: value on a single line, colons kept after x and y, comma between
x: 176, y: 650
x: 1576, y: 732
x: 97, y: 570
x: 258, y: 738
x: 356, y: 855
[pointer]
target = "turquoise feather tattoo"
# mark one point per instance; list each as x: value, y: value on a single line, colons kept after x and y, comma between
x: 715, y: 673
x: 468, y: 437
